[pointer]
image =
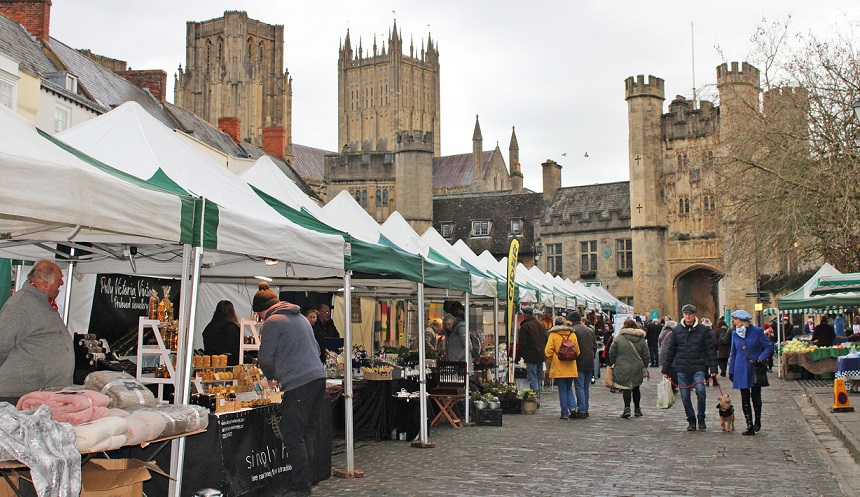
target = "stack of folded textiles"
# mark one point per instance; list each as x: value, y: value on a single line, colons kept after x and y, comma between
x: 69, y: 406
x: 102, y: 434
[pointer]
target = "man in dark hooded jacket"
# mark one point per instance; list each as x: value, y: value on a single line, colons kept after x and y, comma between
x: 289, y: 354
x: 693, y: 350
x: 532, y: 342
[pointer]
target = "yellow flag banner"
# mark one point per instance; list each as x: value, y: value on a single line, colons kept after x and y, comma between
x: 512, y: 273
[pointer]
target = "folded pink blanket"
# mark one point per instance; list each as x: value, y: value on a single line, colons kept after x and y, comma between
x: 69, y: 406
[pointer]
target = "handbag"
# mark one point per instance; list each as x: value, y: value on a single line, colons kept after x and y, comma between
x: 607, y: 382
x: 759, y: 371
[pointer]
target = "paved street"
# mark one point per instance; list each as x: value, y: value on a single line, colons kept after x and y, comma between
x: 795, y: 454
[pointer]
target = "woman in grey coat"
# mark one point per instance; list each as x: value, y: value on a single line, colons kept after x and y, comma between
x: 629, y: 356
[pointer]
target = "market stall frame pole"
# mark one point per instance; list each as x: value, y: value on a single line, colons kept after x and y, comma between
x: 780, y: 330
x: 190, y: 285
x: 469, y: 368
x: 496, y: 335
x: 350, y: 471
x: 67, y: 297
x: 422, y: 442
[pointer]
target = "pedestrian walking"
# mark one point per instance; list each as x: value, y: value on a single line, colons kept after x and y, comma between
x: 533, y: 336
x: 693, y: 346
x: 562, y: 371
x: 587, y: 340
x: 629, y: 357
x: 750, y: 345
x: 724, y: 346
x: 652, y: 330
x: 664, y: 342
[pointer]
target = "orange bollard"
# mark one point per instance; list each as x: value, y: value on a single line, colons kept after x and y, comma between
x: 840, y: 397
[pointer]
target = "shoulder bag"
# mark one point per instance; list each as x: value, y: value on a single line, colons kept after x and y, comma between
x: 759, y: 370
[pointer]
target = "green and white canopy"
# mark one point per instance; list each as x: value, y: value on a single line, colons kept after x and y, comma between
x: 483, y: 284
x: 51, y: 193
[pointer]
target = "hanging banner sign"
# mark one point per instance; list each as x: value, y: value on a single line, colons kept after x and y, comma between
x: 252, y: 452
x: 119, y: 301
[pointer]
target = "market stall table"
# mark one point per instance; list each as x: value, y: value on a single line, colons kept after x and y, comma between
x: 848, y: 369
x: 241, y: 453
x: 379, y: 410
x: 818, y: 361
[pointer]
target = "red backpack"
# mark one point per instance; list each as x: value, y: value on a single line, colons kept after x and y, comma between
x: 567, y: 351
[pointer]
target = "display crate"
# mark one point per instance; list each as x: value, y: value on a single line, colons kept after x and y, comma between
x: 488, y: 417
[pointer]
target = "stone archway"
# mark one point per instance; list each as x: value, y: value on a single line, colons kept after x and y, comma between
x: 700, y: 287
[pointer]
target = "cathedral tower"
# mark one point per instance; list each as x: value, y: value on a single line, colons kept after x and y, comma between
x: 385, y: 91
x: 647, y: 217
x: 234, y: 68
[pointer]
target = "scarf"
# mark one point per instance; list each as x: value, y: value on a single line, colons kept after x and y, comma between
x: 742, y: 331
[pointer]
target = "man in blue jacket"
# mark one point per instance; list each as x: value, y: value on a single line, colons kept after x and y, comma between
x: 693, y: 350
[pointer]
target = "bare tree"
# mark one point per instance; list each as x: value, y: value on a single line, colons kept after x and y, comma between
x: 790, y: 173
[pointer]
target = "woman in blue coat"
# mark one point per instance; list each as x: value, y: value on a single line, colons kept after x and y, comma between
x: 749, y: 345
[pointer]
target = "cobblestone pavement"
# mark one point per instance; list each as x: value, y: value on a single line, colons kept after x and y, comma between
x: 607, y: 455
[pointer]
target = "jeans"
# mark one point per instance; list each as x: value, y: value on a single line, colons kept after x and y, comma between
x: 299, y: 419
x: 565, y: 395
x: 686, y: 378
x: 535, y: 376
x: 582, y: 383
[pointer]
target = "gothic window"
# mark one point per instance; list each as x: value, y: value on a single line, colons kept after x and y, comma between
x: 711, y: 158
x: 624, y: 253
x: 481, y: 228
x: 208, y: 53
x: 364, y: 197
x: 220, y: 50
x: 378, y: 197
x: 250, y: 50
x: 686, y: 162
x: 358, y: 196
x: 260, y: 53
x: 588, y: 256
x: 385, y: 196
x: 709, y: 204
x: 684, y: 205
x: 553, y: 258
x: 679, y: 161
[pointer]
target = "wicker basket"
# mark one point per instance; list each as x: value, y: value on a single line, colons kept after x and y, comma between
x: 369, y: 374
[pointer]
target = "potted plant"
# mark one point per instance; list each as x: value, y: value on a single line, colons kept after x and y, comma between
x: 494, y: 403
x: 478, y: 400
x: 529, y: 398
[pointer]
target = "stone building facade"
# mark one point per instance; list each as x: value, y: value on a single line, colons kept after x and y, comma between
x: 234, y: 70
x: 676, y: 222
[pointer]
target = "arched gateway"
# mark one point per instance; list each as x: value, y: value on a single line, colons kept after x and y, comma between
x: 699, y: 286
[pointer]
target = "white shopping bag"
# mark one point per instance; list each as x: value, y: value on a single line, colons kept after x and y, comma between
x: 665, y: 395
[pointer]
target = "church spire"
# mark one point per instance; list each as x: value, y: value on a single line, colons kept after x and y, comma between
x: 514, y: 159
x: 477, y: 134
x: 477, y: 154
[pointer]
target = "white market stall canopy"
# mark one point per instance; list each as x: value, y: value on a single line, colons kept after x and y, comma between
x: 237, y: 223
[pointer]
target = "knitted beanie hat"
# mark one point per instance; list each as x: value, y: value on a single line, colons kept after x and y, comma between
x: 264, y: 298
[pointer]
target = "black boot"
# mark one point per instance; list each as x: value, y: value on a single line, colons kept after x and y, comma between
x: 757, y: 424
x: 749, y: 419
x: 637, y: 412
x: 626, y: 413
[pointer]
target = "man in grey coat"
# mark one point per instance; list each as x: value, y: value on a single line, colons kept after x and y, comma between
x: 35, y: 345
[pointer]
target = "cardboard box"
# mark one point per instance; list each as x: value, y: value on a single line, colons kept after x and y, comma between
x: 116, y: 477
x: 5, y: 490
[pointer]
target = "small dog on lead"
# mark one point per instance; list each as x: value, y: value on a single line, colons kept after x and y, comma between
x: 727, y: 413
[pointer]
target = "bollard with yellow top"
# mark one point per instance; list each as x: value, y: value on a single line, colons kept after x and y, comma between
x: 840, y: 397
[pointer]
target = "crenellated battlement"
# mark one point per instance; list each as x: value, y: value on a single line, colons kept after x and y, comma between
x: 746, y: 75
x: 638, y: 87
x: 415, y: 140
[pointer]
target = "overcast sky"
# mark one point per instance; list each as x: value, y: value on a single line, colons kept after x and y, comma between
x: 555, y: 70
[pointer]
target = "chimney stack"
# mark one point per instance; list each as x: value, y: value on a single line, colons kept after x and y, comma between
x: 34, y: 15
x: 154, y: 80
x: 551, y: 179
x: 275, y: 141
x: 231, y: 126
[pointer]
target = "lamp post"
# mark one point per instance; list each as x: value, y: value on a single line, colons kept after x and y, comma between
x: 538, y: 251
